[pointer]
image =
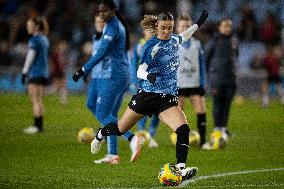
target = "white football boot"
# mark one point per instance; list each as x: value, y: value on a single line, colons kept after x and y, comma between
x: 152, y: 143
x: 108, y: 159
x: 187, y: 174
x: 31, y: 130
x: 135, y: 146
x: 96, y: 146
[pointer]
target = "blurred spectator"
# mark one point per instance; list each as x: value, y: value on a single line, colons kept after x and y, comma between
x: 270, y: 32
x: 248, y: 27
x: 272, y: 65
x: 5, y: 56
x: 59, y: 59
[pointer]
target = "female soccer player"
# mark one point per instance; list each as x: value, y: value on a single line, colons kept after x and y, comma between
x: 220, y: 54
x: 135, y: 61
x: 191, y: 78
x: 36, y: 69
x: 111, y: 77
x: 158, y: 87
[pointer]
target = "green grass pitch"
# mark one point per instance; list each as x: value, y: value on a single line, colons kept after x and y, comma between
x: 56, y: 160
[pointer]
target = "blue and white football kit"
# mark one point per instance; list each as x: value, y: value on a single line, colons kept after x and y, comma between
x: 110, y: 77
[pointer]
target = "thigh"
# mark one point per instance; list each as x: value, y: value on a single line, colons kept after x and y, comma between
x: 181, y: 101
x: 173, y: 117
x: 128, y: 120
x: 198, y: 103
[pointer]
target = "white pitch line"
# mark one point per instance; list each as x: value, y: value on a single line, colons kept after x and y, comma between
x: 184, y: 184
x: 229, y: 174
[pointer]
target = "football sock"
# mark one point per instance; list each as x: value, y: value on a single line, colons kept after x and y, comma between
x: 109, y: 129
x: 182, y: 144
x: 130, y: 137
x: 201, y: 125
x: 38, y: 122
x: 180, y: 165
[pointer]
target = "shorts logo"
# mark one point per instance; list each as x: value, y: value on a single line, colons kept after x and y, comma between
x: 133, y: 102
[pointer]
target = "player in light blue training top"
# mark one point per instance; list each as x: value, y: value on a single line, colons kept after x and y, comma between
x: 110, y: 73
x: 158, y: 87
x: 36, y: 69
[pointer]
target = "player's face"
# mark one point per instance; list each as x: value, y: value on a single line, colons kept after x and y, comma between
x: 99, y: 24
x: 30, y: 26
x: 182, y: 25
x: 165, y: 29
x: 225, y: 27
x: 105, y: 12
x: 147, y: 34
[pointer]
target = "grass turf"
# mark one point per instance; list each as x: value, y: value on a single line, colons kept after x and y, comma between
x: 56, y: 160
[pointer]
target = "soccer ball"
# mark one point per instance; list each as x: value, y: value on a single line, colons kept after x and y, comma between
x: 194, y: 138
x: 86, y: 135
x: 169, y: 175
x: 217, y: 140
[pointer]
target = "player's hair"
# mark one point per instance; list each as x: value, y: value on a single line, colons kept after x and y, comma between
x: 149, y: 22
x: 222, y: 20
x: 42, y: 24
x: 184, y: 17
x: 110, y: 4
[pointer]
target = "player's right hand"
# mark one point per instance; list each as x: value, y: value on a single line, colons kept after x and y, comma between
x: 23, y: 80
x: 76, y: 76
x: 152, y: 78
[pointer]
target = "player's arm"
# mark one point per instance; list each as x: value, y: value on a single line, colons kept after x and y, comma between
x: 202, y: 67
x: 29, y: 61
x: 146, y: 59
x: 209, y: 52
x: 190, y: 31
x: 106, y: 43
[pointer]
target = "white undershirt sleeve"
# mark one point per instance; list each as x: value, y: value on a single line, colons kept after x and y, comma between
x: 29, y: 60
x: 188, y: 33
x: 141, y: 72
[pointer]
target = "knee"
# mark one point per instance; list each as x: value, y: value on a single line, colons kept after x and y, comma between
x: 183, y: 129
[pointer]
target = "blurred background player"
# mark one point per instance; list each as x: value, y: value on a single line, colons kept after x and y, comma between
x: 191, y: 76
x: 158, y: 88
x: 135, y: 62
x: 36, y: 69
x: 110, y: 73
x: 220, y: 52
x: 272, y: 66
x: 59, y: 60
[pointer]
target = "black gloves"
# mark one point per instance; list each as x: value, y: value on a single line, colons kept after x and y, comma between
x: 202, y: 18
x: 151, y: 77
x: 24, y: 76
x: 76, y: 76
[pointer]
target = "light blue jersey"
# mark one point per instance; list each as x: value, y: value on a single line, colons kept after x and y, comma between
x: 162, y: 58
x: 39, y: 67
x: 111, y: 51
x: 99, y: 70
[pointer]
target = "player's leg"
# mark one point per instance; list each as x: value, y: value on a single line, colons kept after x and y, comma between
x: 280, y: 91
x: 176, y: 120
x: 92, y: 96
x: 127, y: 121
x: 128, y: 135
x: 228, y: 98
x: 152, y: 131
x: 63, y: 90
x: 142, y: 123
x: 36, y: 93
x: 181, y: 101
x: 265, y: 93
x: 218, y: 104
x: 198, y: 103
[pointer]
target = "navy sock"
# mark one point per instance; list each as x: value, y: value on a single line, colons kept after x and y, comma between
x: 201, y: 125
x: 38, y: 122
x: 182, y: 144
x: 111, y: 129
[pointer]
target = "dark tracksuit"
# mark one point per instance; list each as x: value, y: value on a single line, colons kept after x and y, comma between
x: 221, y: 76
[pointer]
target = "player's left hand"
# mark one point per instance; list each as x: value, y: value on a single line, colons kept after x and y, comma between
x: 76, y: 76
x: 23, y: 80
x: 202, y: 18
